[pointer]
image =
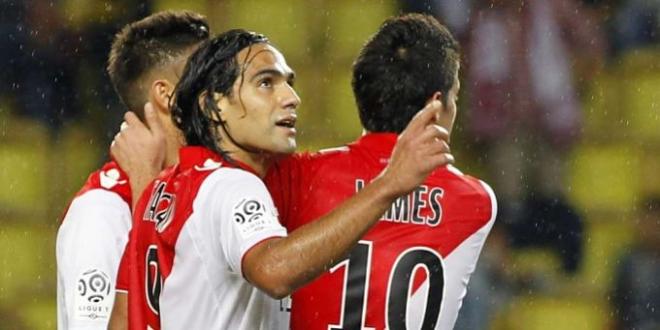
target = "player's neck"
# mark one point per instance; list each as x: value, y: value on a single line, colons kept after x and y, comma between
x: 175, y: 141
x: 259, y: 162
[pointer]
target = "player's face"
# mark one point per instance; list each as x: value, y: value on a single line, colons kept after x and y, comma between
x: 448, y: 116
x: 261, y: 113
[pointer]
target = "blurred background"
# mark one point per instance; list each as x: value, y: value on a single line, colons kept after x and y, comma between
x: 559, y: 111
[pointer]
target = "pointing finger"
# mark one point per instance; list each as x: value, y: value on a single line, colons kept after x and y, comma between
x: 425, y: 116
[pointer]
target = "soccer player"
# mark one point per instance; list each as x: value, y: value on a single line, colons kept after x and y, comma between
x: 146, y: 58
x: 410, y: 271
x: 207, y: 249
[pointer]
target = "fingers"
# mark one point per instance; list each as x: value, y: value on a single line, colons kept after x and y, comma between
x: 117, y: 145
x: 438, y: 146
x: 424, y: 117
x: 151, y: 117
x: 441, y: 159
x: 432, y: 133
x: 434, y: 149
x: 132, y: 120
x: 132, y: 125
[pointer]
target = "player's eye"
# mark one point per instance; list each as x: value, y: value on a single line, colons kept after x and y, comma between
x: 266, y: 82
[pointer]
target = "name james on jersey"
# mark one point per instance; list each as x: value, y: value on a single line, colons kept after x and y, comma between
x: 410, y: 208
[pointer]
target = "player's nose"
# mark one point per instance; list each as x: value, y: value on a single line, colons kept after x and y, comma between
x: 290, y: 99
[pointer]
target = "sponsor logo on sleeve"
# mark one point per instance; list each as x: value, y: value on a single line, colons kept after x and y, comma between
x: 93, y: 298
x: 252, y: 216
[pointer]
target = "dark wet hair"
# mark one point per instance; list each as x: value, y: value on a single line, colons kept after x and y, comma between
x: 213, y: 68
x: 143, y: 45
x: 398, y: 70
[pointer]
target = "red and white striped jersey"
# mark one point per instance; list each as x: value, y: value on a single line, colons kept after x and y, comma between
x: 90, y: 242
x: 192, y: 227
x: 411, y: 270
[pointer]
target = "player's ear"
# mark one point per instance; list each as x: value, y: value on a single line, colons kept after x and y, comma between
x: 218, y: 99
x: 437, y: 96
x: 447, y: 114
x: 161, y: 92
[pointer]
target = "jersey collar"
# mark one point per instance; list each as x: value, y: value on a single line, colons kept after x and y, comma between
x: 381, y: 142
x: 192, y: 156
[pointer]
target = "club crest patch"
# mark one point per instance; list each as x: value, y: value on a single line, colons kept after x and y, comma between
x: 161, y: 207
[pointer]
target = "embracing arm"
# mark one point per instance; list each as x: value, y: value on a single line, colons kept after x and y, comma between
x: 278, y: 266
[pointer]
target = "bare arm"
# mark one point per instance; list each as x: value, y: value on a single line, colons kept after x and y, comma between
x: 279, y: 266
x: 119, y: 316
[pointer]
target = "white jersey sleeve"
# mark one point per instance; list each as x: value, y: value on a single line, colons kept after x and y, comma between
x: 460, y: 265
x: 246, y: 216
x: 90, y: 243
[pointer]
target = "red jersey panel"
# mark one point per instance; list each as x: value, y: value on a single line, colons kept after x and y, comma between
x: 411, y: 270
x: 150, y: 250
x: 191, y: 228
x: 110, y: 178
x: 140, y: 271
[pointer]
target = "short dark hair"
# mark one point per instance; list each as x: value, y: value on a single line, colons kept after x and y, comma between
x: 213, y: 68
x: 143, y: 45
x: 398, y: 70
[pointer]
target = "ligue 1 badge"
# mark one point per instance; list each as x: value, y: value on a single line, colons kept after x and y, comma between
x: 93, y: 297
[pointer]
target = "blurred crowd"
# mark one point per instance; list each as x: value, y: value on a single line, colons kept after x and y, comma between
x: 48, y: 55
x: 527, y: 65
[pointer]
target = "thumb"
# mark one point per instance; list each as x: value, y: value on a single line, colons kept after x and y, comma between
x: 152, y: 119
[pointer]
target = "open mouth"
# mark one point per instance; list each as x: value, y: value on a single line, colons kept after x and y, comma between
x: 288, y: 122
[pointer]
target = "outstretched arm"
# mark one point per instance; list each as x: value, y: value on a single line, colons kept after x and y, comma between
x: 278, y: 266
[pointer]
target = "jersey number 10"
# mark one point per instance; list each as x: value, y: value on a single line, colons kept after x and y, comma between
x: 356, y: 281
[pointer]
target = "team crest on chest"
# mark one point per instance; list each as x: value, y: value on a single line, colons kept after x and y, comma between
x: 161, y: 207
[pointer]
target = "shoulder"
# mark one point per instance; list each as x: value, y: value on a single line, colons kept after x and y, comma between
x: 97, y: 209
x: 469, y: 189
x: 233, y: 177
x: 464, y: 181
x: 103, y: 201
x: 226, y: 185
x: 98, y: 199
x: 109, y: 178
x: 320, y: 156
x: 94, y: 228
x: 334, y: 151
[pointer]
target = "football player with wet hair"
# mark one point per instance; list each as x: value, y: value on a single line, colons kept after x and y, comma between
x: 206, y: 231
x: 146, y: 59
